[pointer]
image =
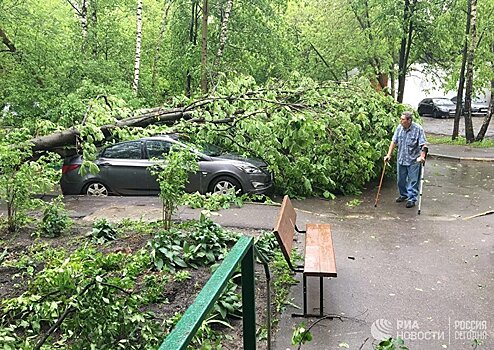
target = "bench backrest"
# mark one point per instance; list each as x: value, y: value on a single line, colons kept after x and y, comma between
x: 285, y: 228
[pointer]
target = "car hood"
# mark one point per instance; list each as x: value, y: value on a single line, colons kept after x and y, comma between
x: 480, y: 105
x: 232, y: 156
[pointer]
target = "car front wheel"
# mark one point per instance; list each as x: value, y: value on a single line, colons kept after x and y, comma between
x: 96, y: 189
x: 224, y: 184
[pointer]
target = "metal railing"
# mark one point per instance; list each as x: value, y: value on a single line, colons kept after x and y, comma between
x: 183, y: 333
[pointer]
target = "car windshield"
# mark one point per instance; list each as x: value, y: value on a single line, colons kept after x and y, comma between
x: 479, y: 101
x: 442, y: 102
x: 205, y: 148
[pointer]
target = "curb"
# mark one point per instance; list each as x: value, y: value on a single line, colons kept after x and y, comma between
x: 476, y: 159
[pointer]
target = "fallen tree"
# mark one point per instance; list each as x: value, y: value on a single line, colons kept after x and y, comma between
x: 317, y: 138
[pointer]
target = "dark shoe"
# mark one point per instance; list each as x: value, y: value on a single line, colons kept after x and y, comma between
x: 410, y: 204
x: 401, y: 199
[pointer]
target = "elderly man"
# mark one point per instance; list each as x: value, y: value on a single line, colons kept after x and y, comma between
x: 411, y: 142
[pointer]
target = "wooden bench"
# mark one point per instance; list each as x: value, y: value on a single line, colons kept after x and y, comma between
x: 319, y: 259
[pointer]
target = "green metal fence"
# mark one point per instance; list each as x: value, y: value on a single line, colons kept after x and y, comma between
x: 243, y: 253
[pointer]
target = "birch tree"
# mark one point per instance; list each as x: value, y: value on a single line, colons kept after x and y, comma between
x: 80, y: 9
x: 224, y: 30
x: 137, y: 62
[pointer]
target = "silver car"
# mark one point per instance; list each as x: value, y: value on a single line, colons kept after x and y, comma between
x: 124, y: 170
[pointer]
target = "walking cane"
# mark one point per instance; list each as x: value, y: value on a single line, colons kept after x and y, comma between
x: 422, y: 169
x: 380, y: 183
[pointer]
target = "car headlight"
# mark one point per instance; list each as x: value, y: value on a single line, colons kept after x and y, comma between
x: 444, y: 109
x: 249, y: 169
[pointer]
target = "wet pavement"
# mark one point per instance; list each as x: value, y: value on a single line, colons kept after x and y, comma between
x: 428, y: 278
x: 445, y: 126
x: 422, y: 277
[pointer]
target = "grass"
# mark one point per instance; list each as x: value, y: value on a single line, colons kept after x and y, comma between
x: 460, y: 141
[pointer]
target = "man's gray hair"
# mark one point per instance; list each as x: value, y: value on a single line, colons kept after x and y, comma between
x: 408, y: 115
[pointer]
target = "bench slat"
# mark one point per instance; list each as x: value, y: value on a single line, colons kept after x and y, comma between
x: 285, y: 227
x: 319, y: 253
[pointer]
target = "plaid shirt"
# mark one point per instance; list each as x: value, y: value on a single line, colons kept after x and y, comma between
x: 410, y: 142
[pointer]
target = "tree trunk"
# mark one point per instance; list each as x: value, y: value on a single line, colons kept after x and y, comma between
x: 6, y: 41
x: 224, y: 31
x: 365, y: 25
x: 156, y: 58
x: 81, y: 13
x: 469, y: 74
x: 204, y: 47
x: 405, y: 46
x: 137, y: 63
x: 461, y: 82
x: 94, y: 27
x: 488, y: 117
x: 192, y: 41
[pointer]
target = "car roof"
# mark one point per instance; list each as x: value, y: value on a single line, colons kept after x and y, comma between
x: 164, y: 137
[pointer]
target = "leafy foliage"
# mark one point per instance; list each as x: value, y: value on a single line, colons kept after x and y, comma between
x: 22, y: 178
x: 216, y: 201
x: 301, y: 335
x: 55, y: 219
x: 229, y: 304
x: 92, y: 294
x: 316, y: 138
x: 172, y: 174
x: 198, y: 243
x: 103, y: 231
x: 267, y: 244
x: 391, y: 344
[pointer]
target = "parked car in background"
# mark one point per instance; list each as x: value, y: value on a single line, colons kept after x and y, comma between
x: 437, y: 107
x: 124, y: 170
x: 480, y: 107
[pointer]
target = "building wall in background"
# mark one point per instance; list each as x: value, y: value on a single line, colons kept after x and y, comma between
x: 420, y: 85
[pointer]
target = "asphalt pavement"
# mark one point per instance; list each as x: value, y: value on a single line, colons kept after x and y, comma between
x: 427, y: 278
x: 445, y: 126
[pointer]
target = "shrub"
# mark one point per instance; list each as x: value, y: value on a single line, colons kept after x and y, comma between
x: 55, y: 219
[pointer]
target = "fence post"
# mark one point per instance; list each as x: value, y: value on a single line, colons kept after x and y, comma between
x: 249, y: 300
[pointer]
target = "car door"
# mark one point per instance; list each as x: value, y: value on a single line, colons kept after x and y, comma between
x: 427, y: 107
x: 122, y: 167
x: 421, y: 107
x: 157, y: 149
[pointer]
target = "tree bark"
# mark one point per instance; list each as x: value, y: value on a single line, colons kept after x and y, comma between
x: 192, y: 41
x: 365, y: 25
x: 58, y: 140
x: 204, y: 47
x: 94, y: 26
x: 405, y: 46
x: 81, y: 13
x: 6, y: 41
x: 224, y: 30
x: 461, y: 82
x: 469, y: 73
x: 137, y: 62
x: 488, y: 117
